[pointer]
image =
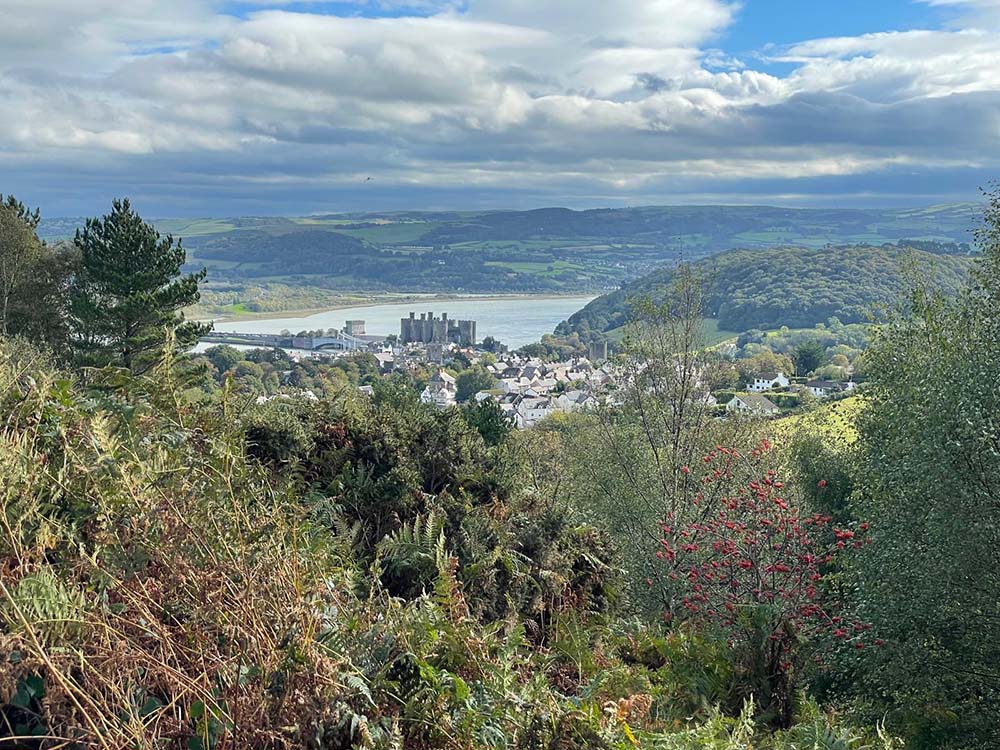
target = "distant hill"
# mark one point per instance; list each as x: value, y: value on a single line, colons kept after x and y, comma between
x: 544, y: 250
x: 797, y: 287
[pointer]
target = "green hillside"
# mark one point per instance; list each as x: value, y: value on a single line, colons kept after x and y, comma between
x: 795, y: 287
x: 543, y: 250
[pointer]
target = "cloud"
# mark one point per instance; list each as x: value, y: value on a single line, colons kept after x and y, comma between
x: 286, y: 108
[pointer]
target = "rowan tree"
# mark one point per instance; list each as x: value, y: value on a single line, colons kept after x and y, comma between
x: 756, y: 566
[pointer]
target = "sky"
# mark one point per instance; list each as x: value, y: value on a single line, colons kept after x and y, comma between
x: 270, y: 107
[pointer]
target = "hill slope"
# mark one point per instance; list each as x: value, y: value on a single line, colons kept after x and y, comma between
x: 797, y: 287
x: 543, y: 250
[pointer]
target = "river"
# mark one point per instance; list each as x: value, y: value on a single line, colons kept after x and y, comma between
x: 514, y: 321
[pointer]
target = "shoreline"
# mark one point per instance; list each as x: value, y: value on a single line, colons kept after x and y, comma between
x: 380, y: 302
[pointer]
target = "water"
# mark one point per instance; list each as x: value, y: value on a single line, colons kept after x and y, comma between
x: 515, y: 322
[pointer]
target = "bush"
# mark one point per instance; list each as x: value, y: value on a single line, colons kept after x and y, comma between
x: 360, y: 575
x: 785, y: 400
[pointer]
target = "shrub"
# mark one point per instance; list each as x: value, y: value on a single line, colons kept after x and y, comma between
x: 757, y: 566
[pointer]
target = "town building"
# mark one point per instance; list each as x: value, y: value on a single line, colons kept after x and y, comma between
x: 435, y: 353
x: 598, y: 350
x: 440, y: 391
x: 823, y: 388
x: 752, y: 403
x: 759, y: 385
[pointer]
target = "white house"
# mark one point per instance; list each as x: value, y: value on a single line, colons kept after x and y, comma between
x: 533, y: 410
x: 752, y: 403
x: 759, y: 385
x: 822, y: 388
x: 440, y: 391
x: 575, y: 400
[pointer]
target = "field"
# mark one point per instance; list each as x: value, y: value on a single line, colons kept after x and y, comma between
x: 711, y: 334
x: 545, y: 251
x: 836, y: 421
x: 194, y: 227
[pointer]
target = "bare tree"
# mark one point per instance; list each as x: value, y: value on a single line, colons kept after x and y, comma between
x: 645, y: 437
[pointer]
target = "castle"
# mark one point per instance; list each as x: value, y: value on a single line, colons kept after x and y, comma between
x: 428, y: 330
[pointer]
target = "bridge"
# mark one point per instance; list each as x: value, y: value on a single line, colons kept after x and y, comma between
x: 339, y: 341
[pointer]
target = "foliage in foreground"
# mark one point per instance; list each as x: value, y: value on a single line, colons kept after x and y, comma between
x: 928, y: 474
x: 167, y: 581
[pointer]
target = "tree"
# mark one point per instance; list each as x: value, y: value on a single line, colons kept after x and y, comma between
x: 31, y: 218
x: 930, y: 477
x: 459, y: 361
x: 20, y: 255
x: 470, y: 382
x: 129, y: 291
x: 808, y: 356
x: 33, y: 279
x: 629, y: 457
x: 766, y: 364
x: 489, y: 420
x: 41, y: 310
x: 224, y: 357
x: 755, y: 564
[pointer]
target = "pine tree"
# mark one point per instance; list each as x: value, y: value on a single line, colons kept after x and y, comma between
x: 29, y: 217
x: 129, y: 292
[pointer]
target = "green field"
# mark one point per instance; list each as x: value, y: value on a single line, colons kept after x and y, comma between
x: 548, y: 250
x: 836, y: 421
x: 391, y: 234
x: 712, y: 335
x: 194, y: 227
x: 541, y: 268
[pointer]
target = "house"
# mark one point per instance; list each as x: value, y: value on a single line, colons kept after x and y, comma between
x: 440, y: 391
x: 533, y: 410
x: 386, y: 361
x: 759, y: 385
x: 752, y: 403
x: 305, y: 395
x: 509, y: 405
x: 575, y: 400
x: 822, y: 388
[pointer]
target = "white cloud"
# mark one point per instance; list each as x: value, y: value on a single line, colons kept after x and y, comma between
x: 498, y: 93
x: 93, y: 35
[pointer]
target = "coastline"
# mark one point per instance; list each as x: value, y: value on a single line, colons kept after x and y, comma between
x: 204, y: 316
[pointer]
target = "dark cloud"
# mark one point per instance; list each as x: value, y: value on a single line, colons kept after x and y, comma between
x: 511, y: 103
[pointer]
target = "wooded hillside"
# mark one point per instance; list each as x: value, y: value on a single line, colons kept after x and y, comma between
x: 795, y: 287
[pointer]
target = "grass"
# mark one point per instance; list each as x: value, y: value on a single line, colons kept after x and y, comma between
x: 212, y: 263
x: 711, y: 333
x: 539, y: 268
x: 194, y: 227
x: 835, y: 421
x: 385, y: 233
x: 322, y: 222
x: 392, y: 234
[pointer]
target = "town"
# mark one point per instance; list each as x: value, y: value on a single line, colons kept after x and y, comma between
x: 436, y: 352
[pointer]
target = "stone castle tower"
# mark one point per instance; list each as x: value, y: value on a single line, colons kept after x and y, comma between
x: 430, y: 330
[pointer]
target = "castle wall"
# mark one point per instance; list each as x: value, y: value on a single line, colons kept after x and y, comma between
x: 428, y: 329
